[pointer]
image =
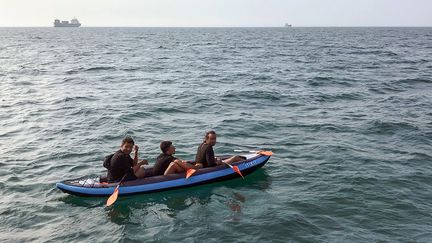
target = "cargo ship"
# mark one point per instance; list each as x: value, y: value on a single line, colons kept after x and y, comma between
x: 73, y: 23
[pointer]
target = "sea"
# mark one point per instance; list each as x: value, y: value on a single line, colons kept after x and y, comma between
x: 347, y: 113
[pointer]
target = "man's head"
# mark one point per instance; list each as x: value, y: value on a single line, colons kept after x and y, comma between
x: 127, y: 145
x: 167, y: 147
x: 210, y: 138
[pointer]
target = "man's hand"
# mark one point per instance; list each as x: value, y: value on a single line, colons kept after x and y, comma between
x: 135, y: 148
x: 143, y: 162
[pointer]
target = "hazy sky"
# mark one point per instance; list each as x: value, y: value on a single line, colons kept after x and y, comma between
x: 230, y: 13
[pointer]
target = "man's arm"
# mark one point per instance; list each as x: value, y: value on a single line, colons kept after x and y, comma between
x: 135, y: 159
x: 198, y: 165
x: 185, y: 165
x: 218, y: 161
x: 210, y: 157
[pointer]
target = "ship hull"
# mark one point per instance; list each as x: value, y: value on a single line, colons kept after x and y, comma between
x: 67, y: 25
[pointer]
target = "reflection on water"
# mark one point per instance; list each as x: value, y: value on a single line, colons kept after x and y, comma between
x: 235, y: 203
x: 119, y: 214
x: 87, y: 202
x: 170, y: 203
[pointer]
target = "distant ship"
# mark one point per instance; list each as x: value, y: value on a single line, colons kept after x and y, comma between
x: 73, y: 23
x: 288, y: 25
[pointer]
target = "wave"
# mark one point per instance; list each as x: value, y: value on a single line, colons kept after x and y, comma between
x: 413, y: 81
x: 91, y: 69
x: 100, y: 68
x: 388, y: 127
x: 255, y: 95
x: 321, y: 97
x: 331, y: 81
x: 385, y: 88
x: 166, y: 110
x: 374, y: 52
x: 320, y: 81
x: 24, y: 83
x: 130, y: 69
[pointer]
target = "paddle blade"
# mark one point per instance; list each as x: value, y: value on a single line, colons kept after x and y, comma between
x: 236, y: 169
x: 266, y: 153
x: 111, y: 200
x: 190, y: 172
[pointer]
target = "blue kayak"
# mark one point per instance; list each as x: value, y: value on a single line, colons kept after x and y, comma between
x: 94, y: 187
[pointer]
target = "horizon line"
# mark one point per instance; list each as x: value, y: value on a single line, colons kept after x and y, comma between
x: 300, y: 26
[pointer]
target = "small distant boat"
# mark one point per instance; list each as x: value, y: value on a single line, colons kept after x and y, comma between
x: 288, y: 25
x: 73, y: 23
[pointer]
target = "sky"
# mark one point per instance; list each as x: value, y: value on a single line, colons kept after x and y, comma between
x: 217, y: 13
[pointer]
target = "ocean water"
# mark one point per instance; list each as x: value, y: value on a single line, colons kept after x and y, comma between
x: 347, y: 112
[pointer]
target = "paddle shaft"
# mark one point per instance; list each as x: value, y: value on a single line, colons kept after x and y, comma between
x: 262, y: 152
x: 245, y: 151
x: 121, y: 181
x: 227, y: 164
x: 234, y: 168
x: 111, y: 200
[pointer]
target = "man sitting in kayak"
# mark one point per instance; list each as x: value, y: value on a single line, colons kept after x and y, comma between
x: 205, y: 155
x: 120, y: 164
x: 166, y: 163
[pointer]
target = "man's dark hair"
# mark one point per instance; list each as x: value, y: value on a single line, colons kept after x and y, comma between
x: 208, y: 133
x: 164, y: 145
x: 128, y: 140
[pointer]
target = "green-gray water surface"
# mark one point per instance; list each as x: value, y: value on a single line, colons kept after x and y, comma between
x: 347, y: 112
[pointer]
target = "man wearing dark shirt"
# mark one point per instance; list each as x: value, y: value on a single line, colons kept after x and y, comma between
x: 165, y: 158
x: 167, y: 164
x: 121, y: 164
x: 205, y: 155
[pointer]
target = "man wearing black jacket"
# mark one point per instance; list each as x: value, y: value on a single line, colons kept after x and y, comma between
x: 121, y: 164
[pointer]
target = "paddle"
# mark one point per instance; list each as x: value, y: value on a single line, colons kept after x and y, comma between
x: 235, y: 168
x: 111, y: 200
x: 262, y: 152
x: 190, y: 172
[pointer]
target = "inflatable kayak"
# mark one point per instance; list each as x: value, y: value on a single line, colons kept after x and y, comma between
x: 95, y: 187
